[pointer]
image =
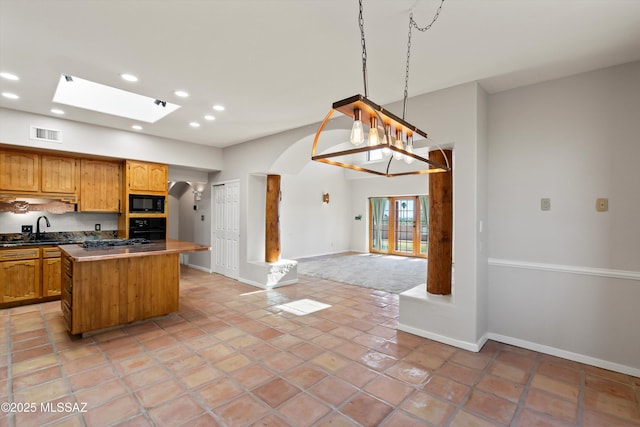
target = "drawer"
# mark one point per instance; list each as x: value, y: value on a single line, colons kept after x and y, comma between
x: 66, y: 285
x: 67, y: 266
x: 66, y: 313
x: 14, y: 254
x: 50, y: 253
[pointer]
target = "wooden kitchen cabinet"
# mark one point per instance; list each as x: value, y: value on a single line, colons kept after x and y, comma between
x: 19, y: 274
x: 51, y: 271
x: 143, y: 177
x: 104, y: 292
x: 99, y: 186
x: 59, y: 174
x: 19, y: 171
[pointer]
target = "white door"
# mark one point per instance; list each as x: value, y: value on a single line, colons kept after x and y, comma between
x: 226, y: 198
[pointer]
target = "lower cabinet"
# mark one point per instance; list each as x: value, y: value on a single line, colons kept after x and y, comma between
x: 29, y: 275
x: 51, y: 272
x: 19, y: 275
x: 108, y: 292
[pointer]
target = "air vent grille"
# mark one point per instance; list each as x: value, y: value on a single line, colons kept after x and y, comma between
x: 42, y: 134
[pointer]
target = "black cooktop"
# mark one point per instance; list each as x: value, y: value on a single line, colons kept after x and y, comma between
x: 106, y: 243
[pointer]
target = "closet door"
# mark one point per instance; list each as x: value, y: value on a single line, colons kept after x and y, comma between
x: 226, y: 228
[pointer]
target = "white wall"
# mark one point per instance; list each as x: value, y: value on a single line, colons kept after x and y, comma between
x: 451, y: 116
x: 571, y: 140
x: 482, y: 214
x: 101, y: 141
x: 308, y: 226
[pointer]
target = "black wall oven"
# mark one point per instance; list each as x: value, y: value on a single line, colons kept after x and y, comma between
x: 148, y: 228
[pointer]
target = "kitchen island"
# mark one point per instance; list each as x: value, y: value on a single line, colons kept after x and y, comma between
x: 109, y: 286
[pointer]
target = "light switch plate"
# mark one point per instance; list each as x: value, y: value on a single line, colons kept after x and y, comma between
x: 602, y: 205
x: 545, y: 204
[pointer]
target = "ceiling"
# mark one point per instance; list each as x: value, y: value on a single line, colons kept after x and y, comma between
x: 279, y: 64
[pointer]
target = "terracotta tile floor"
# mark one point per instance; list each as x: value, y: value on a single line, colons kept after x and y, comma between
x: 230, y: 357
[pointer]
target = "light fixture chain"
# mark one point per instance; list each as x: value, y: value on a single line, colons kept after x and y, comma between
x: 413, y: 24
x: 364, y: 52
x: 435, y: 18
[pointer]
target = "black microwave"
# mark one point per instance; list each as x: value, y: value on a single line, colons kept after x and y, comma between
x: 146, y: 203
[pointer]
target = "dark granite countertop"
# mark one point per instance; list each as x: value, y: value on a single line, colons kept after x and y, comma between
x: 13, y: 240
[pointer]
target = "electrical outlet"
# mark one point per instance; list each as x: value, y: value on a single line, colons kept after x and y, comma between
x: 27, y: 229
x: 98, y: 227
x: 602, y: 205
x: 545, y: 204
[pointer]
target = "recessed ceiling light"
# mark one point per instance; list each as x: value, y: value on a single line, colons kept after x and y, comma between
x: 10, y: 95
x: 129, y: 77
x: 218, y: 107
x: 194, y: 124
x: 57, y: 111
x: 94, y: 96
x: 209, y: 117
x: 9, y: 76
x: 136, y: 127
x: 181, y: 93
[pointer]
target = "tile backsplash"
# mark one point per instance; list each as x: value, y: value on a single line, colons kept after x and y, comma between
x: 72, y: 221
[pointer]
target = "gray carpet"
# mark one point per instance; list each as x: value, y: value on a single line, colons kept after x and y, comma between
x: 394, y: 274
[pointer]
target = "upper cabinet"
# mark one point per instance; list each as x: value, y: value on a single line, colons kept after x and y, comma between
x: 93, y: 184
x: 99, y: 186
x: 19, y: 171
x: 59, y: 174
x: 145, y: 177
x: 39, y: 175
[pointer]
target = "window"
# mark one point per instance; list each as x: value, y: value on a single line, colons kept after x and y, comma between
x: 374, y: 155
x: 399, y: 225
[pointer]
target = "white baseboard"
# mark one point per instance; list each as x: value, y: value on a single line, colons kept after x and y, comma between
x: 197, y: 267
x: 552, y: 351
x: 470, y: 346
x: 576, y: 357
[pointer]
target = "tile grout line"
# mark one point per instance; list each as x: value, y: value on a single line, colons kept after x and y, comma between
x: 461, y: 405
x: 65, y: 377
x: 581, y: 393
x: 121, y: 378
x: 192, y: 392
x: 526, y: 390
x: 11, y: 416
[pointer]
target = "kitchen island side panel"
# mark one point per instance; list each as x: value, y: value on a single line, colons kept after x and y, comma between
x: 111, y: 292
x: 153, y: 284
x: 96, y: 295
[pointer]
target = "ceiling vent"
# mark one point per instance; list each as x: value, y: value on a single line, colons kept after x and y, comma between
x: 42, y: 134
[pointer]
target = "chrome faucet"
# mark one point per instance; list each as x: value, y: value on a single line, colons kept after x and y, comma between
x: 38, y: 234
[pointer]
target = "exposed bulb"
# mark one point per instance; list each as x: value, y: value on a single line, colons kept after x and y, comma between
x: 387, y: 141
x: 357, y: 132
x: 398, y: 144
x: 409, y: 149
x: 374, y: 137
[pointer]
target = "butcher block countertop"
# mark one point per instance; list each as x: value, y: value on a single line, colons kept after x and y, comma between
x: 80, y: 254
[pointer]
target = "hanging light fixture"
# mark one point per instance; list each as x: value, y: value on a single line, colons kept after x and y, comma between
x: 357, y: 132
x: 362, y: 109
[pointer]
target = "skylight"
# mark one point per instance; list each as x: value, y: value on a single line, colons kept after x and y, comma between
x: 93, y: 96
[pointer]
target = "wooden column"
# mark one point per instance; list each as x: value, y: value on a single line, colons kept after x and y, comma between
x: 272, y: 229
x: 440, y: 226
